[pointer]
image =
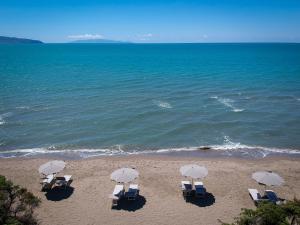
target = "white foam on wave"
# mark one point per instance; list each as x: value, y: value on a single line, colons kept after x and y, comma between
x: 23, y: 107
x: 247, y: 149
x: 228, y: 102
x: 87, y: 153
x: 228, y: 147
x: 80, y: 152
x: 3, y: 116
x: 2, y: 121
x: 162, y: 104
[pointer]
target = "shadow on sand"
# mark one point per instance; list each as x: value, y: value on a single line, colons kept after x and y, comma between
x: 208, y: 200
x: 128, y: 205
x: 59, y: 193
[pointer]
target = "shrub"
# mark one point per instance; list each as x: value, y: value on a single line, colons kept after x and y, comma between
x: 16, y: 204
x: 270, y: 214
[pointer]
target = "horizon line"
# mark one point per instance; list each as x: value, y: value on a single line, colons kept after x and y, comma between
x: 128, y: 42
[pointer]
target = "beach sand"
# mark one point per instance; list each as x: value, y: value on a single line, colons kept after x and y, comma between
x: 162, y: 201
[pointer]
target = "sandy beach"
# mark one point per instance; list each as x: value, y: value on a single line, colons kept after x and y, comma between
x: 161, y: 201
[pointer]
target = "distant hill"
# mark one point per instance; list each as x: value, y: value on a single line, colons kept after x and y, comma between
x: 14, y: 40
x: 103, y: 41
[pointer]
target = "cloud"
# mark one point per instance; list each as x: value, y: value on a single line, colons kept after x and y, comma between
x: 86, y: 36
x: 145, y: 37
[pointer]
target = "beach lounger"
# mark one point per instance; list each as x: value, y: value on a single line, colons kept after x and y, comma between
x: 272, y: 197
x: 68, y: 180
x: 200, y: 190
x: 117, y: 194
x: 186, y: 188
x: 256, y: 197
x: 48, y: 182
x: 133, y: 192
x: 64, y: 181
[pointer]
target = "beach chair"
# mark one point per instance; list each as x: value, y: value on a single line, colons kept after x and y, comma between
x: 256, y: 197
x: 64, y: 181
x: 117, y: 194
x: 48, y: 182
x: 200, y: 190
x: 133, y: 192
x: 272, y: 197
x: 186, y: 188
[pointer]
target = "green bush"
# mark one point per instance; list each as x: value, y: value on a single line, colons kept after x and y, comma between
x: 270, y: 214
x: 16, y: 204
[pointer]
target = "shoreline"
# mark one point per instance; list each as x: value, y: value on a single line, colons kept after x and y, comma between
x: 249, y: 152
x: 159, y: 181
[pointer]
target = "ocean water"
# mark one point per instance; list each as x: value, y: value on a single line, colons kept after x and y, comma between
x: 107, y: 99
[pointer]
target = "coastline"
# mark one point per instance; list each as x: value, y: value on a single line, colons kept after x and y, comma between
x: 159, y: 181
x: 233, y: 150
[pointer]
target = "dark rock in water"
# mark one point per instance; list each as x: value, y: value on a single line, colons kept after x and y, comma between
x: 14, y: 40
x: 204, y: 148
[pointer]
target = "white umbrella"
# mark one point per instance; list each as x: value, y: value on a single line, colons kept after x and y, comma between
x: 124, y: 175
x: 52, y: 167
x: 268, y: 178
x: 194, y: 171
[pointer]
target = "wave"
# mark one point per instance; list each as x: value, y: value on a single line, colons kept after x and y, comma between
x: 22, y: 107
x: 82, y: 153
x: 2, y: 121
x: 251, y: 149
x: 228, y: 102
x: 3, y: 116
x: 227, y: 148
x: 162, y: 104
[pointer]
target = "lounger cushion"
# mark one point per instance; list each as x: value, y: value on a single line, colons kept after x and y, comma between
x: 131, y: 192
x: 271, y: 195
x: 200, y: 190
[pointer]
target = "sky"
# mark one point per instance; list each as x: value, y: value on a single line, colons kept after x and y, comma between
x: 152, y: 21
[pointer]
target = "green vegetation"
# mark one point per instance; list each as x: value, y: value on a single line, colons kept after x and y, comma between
x: 14, y: 40
x: 16, y: 204
x: 270, y: 214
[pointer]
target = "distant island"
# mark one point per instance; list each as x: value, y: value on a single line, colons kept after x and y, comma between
x: 14, y: 40
x: 99, y: 41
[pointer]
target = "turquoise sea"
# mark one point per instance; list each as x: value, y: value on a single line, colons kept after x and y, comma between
x: 106, y: 99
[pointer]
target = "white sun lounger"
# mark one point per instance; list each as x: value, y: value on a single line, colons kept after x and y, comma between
x: 48, y: 181
x: 64, y: 181
x: 200, y: 190
x: 186, y: 188
x: 117, y: 194
x: 67, y: 178
x: 255, y: 195
x: 132, y: 192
